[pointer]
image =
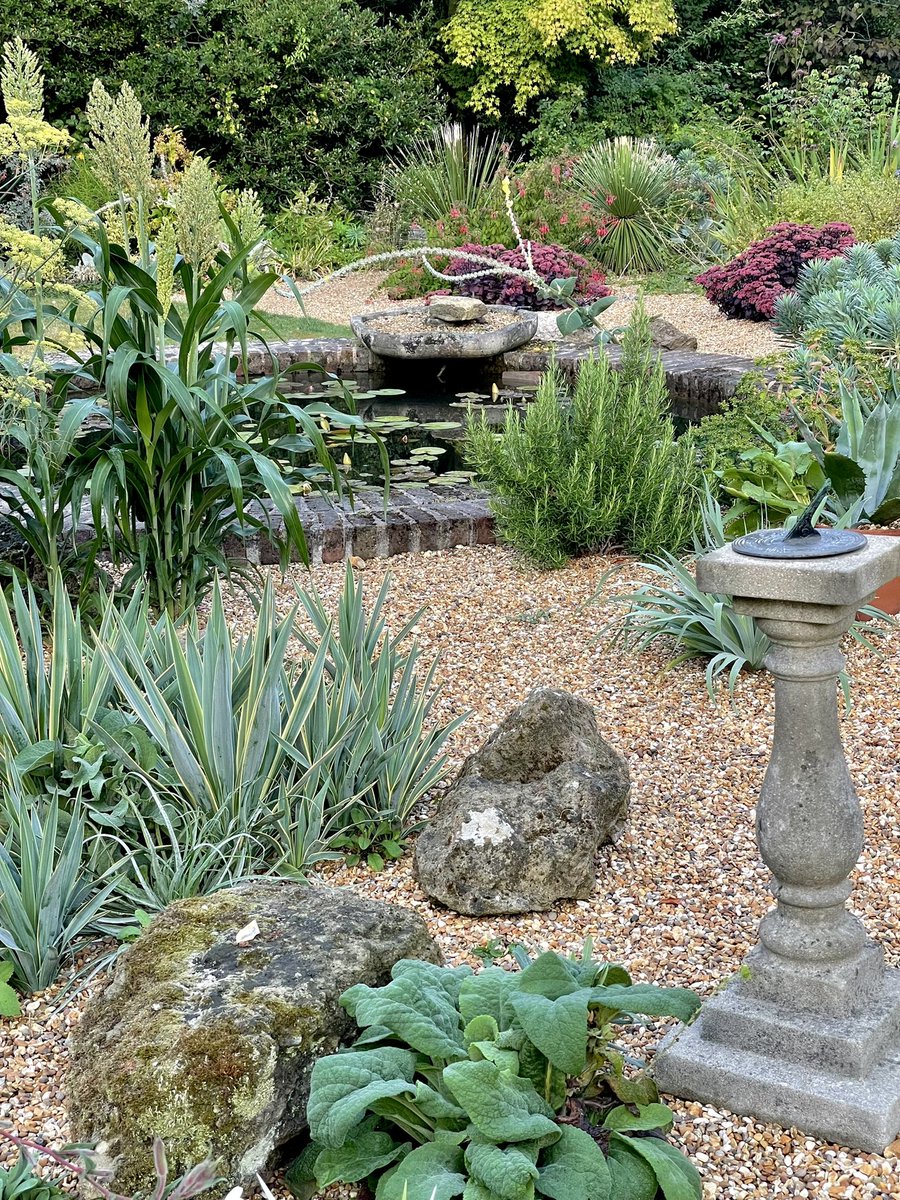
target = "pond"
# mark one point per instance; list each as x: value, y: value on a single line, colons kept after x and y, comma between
x: 422, y: 433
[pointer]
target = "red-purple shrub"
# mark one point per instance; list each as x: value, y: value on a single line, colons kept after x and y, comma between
x: 749, y: 285
x: 551, y: 262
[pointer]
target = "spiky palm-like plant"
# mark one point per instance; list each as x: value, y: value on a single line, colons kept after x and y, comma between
x: 628, y: 182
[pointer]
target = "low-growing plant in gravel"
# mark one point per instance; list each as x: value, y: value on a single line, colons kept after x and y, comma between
x: 749, y: 286
x: 500, y: 1084
x: 597, y: 468
x: 19, y: 1182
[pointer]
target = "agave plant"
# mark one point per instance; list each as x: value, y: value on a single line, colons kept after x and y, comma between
x: 628, y: 181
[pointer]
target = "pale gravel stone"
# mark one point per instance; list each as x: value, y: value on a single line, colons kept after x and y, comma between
x: 684, y: 889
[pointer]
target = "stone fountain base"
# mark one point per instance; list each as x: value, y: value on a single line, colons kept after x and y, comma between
x: 416, y: 333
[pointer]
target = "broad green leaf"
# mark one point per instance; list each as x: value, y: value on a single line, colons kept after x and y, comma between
x: 477, y: 1191
x: 509, y: 1174
x: 845, y: 476
x: 677, y: 1177
x: 557, y: 1027
x: 431, y: 1172
x: 506, y: 1060
x: 645, y: 999
x: 548, y: 1081
x: 432, y: 1104
x: 503, y: 1107
x: 487, y: 994
x: 648, y: 1116
x: 300, y: 1176
x: 360, y: 1156
x: 343, y: 1086
x: 550, y: 976
x: 574, y: 1168
x: 632, y: 1178
x: 481, y: 1029
x: 419, y: 1013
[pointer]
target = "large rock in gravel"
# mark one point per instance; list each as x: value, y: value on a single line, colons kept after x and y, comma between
x: 208, y: 1042
x: 666, y: 336
x: 520, y: 828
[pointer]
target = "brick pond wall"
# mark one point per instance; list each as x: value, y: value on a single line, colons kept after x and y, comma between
x: 433, y: 518
x: 697, y: 383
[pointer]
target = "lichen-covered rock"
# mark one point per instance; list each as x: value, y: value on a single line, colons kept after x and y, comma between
x: 520, y: 828
x: 208, y: 1043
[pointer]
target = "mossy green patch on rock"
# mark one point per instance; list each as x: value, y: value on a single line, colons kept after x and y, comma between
x: 208, y: 1044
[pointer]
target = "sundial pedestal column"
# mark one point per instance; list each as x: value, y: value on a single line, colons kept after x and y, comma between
x: 808, y: 1034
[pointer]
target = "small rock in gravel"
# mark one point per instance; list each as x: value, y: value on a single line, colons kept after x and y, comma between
x: 520, y: 828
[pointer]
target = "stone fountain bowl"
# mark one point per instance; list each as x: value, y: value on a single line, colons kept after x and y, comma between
x: 440, y: 339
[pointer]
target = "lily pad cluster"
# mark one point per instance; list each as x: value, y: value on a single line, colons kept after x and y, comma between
x: 500, y: 1085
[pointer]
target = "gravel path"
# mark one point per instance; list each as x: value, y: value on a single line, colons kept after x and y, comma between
x: 715, y: 334
x: 679, y: 897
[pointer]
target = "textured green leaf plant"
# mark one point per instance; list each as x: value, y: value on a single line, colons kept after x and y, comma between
x: 496, y: 1086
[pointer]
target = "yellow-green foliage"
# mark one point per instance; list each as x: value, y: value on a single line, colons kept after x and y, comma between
x: 523, y: 44
x: 867, y: 200
x: 25, y: 132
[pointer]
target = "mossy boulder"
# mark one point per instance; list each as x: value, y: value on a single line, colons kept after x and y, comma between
x: 208, y: 1043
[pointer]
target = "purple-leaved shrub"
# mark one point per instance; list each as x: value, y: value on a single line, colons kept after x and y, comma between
x: 551, y: 262
x: 748, y: 286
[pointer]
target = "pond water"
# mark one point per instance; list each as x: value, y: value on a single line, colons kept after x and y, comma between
x: 422, y: 433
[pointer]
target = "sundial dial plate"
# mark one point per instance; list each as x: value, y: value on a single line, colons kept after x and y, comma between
x: 774, y: 543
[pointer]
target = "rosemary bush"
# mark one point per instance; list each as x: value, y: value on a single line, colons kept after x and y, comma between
x: 594, y: 469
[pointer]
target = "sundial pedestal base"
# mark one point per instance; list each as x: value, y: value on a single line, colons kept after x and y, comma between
x: 833, y: 1078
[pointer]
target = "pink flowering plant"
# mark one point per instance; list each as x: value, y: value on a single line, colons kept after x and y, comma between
x: 749, y: 285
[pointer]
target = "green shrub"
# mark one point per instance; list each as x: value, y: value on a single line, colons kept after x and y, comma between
x: 351, y: 81
x: 868, y: 200
x: 600, y: 468
x: 311, y: 237
x: 501, y: 1083
x: 725, y: 434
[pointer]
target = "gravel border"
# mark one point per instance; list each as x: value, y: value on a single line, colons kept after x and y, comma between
x: 677, y: 899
